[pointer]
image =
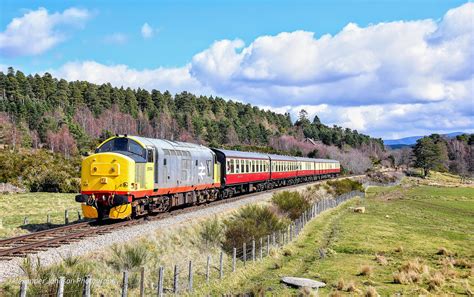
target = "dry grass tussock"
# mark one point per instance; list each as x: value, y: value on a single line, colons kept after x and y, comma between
x: 341, y: 284
x: 366, y: 270
x: 371, y: 292
x: 399, y: 249
x: 305, y: 291
x: 381, y: 259
x: 436, y: 281
x: 412, y: 271
x: 351, y: 287
x: 443, y: 251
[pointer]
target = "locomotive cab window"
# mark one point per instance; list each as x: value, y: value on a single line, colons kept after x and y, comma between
x: 149, y: 157
x: 123, y: 145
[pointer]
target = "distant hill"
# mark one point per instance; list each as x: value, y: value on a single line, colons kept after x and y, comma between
x: 411, y: 140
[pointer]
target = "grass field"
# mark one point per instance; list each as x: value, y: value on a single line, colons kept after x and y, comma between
x: 422, y: 235
x: 15, y: 207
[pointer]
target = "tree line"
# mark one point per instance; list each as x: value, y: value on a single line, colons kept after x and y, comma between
x: 71, y: 117
x: 439, y: 153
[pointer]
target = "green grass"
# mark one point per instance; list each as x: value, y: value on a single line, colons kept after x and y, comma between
x: 15, y: 207
x: 421, y: 220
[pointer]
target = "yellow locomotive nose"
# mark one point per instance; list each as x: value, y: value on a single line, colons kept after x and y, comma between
x: 107, y: 172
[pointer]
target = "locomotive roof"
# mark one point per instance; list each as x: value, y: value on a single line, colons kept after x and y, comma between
x: 239, y: 154
x: 169, y: 144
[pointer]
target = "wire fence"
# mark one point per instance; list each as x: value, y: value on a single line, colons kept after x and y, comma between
x: 187, y: 275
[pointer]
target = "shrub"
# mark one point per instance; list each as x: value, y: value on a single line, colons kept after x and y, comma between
x: 128, y: 257
x: 42, y: 280
x: 339, y: 187
x: 212, y: 231
x: 291, y: 203
x: 250, y: 222
x: 40, y: 170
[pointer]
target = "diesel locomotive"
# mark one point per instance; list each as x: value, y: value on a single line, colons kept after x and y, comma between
x: 130, y: 176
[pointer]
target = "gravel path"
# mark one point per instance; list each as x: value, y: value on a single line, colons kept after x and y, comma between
x: 11, y: 268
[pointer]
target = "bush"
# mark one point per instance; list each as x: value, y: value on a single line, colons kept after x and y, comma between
x: 292, y: 204
x: 339, y: 187
x: 250, y: 222
x: 40, y: 170
x: 212, y: 232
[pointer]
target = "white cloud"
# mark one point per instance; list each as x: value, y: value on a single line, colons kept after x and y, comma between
x: 38, y: 31
x: 387, y: 79
x: 116, y: 38
x: 172, y: 79
x: 147, y: 31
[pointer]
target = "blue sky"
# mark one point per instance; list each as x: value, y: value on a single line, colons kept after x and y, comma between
x: 274, y: 54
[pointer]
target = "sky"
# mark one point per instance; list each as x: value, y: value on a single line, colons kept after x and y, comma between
x: 387, y: 68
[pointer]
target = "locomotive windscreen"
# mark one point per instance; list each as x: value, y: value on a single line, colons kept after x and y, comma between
x: 122, y: 144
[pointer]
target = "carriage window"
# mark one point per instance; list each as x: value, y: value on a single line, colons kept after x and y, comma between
x: 228, y: 166
x: 164, y: 162
x: 237, y: 166
x: 253, y: 166
x: 247, y: 167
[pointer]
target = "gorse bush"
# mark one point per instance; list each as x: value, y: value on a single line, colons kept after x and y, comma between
x: 339, y: 187
x: 291, y: 204
x: 212, y: 232
x: 40, y: 171
x: 250, y: 222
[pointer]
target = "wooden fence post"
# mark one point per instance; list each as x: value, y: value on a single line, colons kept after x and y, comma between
x: 48, y: 219
x: 125, y: 284
x: 25, y: 221
x: 175, y: 279
x: 66, y: 217
x: 244, y: 252
x: 208, y: 265
x: 190, y: 276
x: 261, y: 248
x: 268, y: 245
x: 86, y: 291
x: 142, y: 281
x: 60, y: 292
x: 23, y: 288
x: 234, y: 255
x: 253, y: 250
x: 221, y: 265
x: 273, y: 239
x: 161, y: 276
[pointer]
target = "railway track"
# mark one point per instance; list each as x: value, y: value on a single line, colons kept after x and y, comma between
x: 24, y: 245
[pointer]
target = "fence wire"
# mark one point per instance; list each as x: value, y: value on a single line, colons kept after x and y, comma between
x: 187, y: 275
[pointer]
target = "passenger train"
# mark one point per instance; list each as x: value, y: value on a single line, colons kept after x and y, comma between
x: 131, y: 176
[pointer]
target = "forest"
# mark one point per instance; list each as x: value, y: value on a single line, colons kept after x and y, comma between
x: 49, y: 123
x: 71, y: 117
